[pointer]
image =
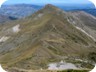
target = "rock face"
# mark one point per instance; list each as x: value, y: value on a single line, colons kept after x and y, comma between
x: 46, y: 36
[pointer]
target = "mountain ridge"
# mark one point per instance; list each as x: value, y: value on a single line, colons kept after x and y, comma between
x: 44, y: 37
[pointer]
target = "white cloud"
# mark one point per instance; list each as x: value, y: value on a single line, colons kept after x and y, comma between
x: 2, y: 1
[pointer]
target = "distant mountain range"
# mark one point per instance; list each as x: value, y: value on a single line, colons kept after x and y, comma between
x: 19, y: 10
x: 69, y: 7
x: 90, y: 11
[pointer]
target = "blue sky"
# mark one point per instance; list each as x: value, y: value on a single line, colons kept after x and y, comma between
x: 48, y: 1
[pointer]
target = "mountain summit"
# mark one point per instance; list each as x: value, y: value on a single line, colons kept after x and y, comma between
x: 45, y: 37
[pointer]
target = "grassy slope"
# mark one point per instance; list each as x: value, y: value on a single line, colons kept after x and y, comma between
x: 44, y: 40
